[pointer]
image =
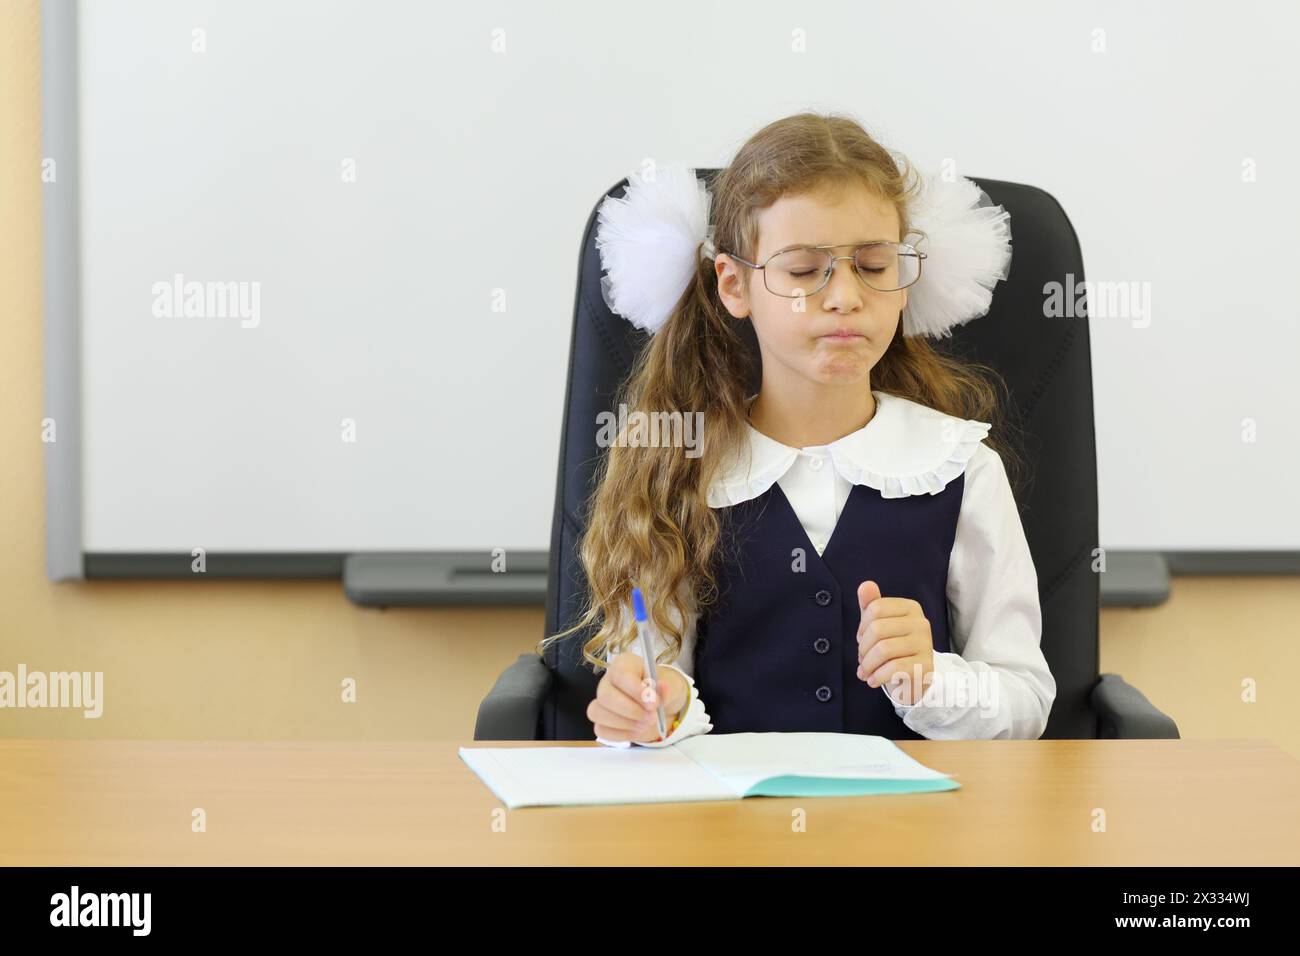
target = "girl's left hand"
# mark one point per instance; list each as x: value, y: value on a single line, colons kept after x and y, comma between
x: 895, y: 646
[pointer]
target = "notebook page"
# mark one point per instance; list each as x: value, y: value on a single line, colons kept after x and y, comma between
x: 575, y: 776
x: 742, y: 760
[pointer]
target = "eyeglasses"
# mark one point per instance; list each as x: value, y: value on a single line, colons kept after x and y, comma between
x: 798, y: 271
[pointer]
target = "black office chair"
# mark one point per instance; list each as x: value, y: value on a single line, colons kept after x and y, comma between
x: 1047, y: 368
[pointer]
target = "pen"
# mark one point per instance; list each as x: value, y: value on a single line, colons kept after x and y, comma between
x: 648, y: 652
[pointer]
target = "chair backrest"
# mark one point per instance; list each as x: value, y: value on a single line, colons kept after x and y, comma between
x: 1046, y: 364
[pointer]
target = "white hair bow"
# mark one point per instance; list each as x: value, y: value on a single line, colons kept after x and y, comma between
x: 648, y: 241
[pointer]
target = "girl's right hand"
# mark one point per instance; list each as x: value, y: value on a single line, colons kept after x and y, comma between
x: 624, y: 705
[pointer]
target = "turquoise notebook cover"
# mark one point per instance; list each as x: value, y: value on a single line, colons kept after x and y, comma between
x: 794, y: 786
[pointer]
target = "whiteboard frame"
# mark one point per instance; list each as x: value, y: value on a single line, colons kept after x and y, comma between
x: 66, y: 559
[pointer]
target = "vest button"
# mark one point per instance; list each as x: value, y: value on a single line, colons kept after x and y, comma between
x: 823, y: 693
x: 821, y: 645
x: 822, y: 597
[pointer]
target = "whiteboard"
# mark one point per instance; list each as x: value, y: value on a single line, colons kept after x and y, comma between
x: 426, y: 296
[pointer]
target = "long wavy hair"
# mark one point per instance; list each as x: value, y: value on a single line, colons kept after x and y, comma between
x: 649, y: 520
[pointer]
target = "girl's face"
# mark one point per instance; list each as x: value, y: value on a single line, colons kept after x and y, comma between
x: 836, y: 336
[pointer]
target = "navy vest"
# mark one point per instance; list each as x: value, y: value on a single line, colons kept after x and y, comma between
x: 778, y: 651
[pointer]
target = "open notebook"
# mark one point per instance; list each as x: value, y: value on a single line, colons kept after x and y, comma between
x: 703, y: 767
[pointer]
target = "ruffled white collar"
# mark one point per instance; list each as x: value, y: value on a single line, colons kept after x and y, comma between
x: 906, y: 449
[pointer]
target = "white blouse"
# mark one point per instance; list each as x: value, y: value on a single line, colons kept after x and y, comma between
x: 996, y: 683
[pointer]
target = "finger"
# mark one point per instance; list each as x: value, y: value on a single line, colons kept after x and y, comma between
x: 612, y: 733
x: 868, y: 591
x: 618, y: 701
x: 871, y: 631
x: 627, y: 673
x: 901, y: 677
x: 616, y: 731
x: 649, y: 733
x: 627, y: 666
x: 890, y: 607
x: 884, y: 651
x: 648, y: 696
x: 599, y: 714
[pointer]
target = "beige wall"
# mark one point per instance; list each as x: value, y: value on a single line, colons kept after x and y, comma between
x: 220, y: 659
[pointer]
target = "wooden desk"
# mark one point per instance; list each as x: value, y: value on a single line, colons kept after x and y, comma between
x: 1167, y: 802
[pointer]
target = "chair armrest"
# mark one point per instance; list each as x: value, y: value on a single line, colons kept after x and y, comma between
x: 1123, y: 712
x: 511, y: 709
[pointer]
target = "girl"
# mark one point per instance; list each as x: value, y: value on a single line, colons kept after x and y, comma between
x: 844, y: 554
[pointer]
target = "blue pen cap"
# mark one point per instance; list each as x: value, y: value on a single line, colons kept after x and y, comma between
x: 638, y: 605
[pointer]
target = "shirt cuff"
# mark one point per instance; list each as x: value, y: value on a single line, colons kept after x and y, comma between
x: 933, y: 698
